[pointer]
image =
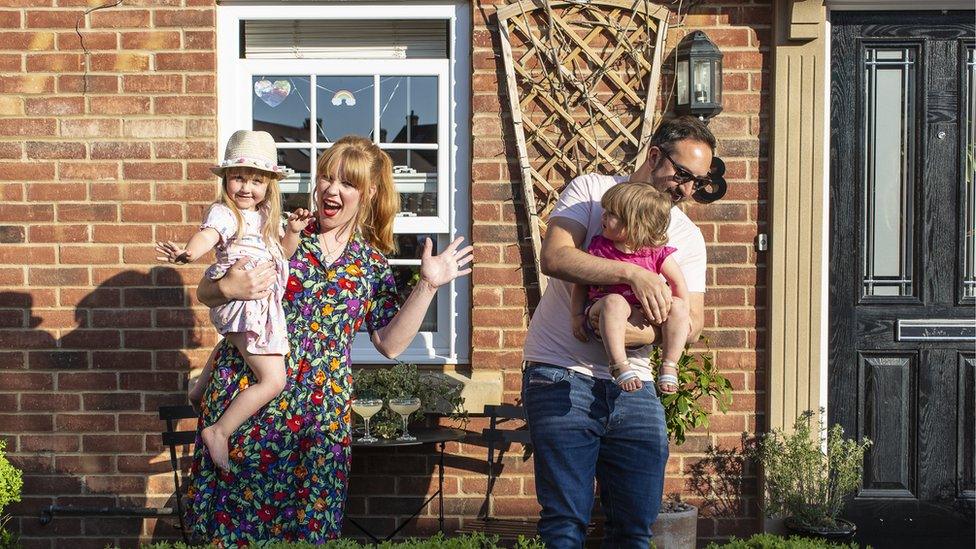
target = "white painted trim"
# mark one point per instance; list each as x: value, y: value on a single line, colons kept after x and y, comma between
x: 452, y: 344
x: 914, y: 5
x: 825, y: 230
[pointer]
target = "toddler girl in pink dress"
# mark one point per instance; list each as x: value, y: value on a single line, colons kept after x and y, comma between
x: 246, y: 223
x: 635, y: 223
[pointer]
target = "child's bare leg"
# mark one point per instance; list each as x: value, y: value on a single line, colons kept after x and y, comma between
x: 613, y: 312
x: 199, y: 385
x: 270, y: 371
x: 674, y: 335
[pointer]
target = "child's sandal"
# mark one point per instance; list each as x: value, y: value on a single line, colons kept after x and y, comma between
x: 667, y: 379
x: 621, y: 376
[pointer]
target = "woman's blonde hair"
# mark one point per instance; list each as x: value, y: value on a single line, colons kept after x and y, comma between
x: 644, y: 211
x: 359, y: 161
x: 270, y: 207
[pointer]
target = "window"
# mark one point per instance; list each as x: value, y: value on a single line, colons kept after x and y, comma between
x: 311, y: 74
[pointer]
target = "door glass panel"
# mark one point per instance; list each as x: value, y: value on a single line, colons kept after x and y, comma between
x: 888, y: 182
x: 969, y: 238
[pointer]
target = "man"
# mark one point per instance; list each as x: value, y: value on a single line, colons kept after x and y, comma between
x: 582, y: 425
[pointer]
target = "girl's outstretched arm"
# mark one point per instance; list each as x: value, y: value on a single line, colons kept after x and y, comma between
x: 297, y: 220
x: 435, y: 271
x: 200, y: 243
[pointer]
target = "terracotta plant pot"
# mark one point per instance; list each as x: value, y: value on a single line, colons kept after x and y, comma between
x: 845, y: 530
x: 676, y: 529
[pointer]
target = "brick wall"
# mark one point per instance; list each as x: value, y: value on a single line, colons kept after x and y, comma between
x: 94, y: 336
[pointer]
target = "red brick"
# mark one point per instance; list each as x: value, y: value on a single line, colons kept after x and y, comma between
x: 85, y: 464
x: 153, y: 339
x: 27, y: 84
x: 27, y: 127
x: 88, y: 212
x: 54, y: 106
x: 11, y: 151
x: 90, y: 84
x: 11, y: 277
x: 27, y: 41
x: 122, y: 360
x: 188, y: 192
x: 122, y: 233
x: 53, y: 19
x: 84, y: 255
x: 145, y: 381
x: 121, y: 191
x: 111, y: 443
x: 9, y: 19
x: 120, y: 18
x: 49, y: 402
x: 120, y: 105
x: 58, y: 233
x: 119, y: 62
x: 22, y: 381
x: 153, y: 212
x: 151, y: 40
x: 58, y: 277
x: 89, y: 171
x: 28, y: 212
x: 184, y: 106
x: 54, y: 62
x: 119, y: 150
x: 55, y: 150
x: 199, y: 40
x: 184, y: 18
x: 93, y: 127
x: 94, y: 41
x: 48, y: 443
x: 186, y: 61
x: 121, y: 318
x: 87, y: 381
x: 27, y: 255
x: 152, y: 170
x: 152, y: 83
x: 112, y: 401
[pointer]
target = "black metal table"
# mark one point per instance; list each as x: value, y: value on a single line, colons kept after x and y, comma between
x: 425, y: 435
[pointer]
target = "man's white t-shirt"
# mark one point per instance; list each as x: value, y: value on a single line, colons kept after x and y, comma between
x: 550, y: 338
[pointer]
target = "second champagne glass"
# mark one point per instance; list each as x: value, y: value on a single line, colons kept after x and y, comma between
x: 367, y: 408
x: 405, y: 407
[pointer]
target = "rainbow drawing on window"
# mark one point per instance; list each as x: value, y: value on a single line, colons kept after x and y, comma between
x: 344, y: 97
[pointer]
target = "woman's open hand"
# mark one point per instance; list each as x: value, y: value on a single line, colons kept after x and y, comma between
x: 437, y: 270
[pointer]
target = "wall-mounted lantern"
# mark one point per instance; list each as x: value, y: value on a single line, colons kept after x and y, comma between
x: 698, y: 76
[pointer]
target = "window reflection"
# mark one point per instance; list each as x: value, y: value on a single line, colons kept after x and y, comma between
x: 408, y: 109
x: 280, y: 106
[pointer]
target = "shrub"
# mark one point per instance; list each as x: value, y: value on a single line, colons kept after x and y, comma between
x: 11, y: 482
x: 476, y: 540
x: 770, y: 541
x: 436, y: 392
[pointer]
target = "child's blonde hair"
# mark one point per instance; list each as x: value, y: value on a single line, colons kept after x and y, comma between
x: 644, y: 211
x: 358, y: 160
x: 270, y: 207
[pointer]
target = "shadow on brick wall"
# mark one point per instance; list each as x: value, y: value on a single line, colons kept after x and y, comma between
x: 80, y: 405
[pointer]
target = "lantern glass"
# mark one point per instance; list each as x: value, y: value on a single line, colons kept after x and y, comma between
x: 717, y: 81
x: 701, y: 75
x: 681, y: 75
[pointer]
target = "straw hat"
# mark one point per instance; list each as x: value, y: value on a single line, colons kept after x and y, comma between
x: 250, y: 149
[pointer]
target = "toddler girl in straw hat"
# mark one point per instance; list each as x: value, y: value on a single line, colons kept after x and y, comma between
x: 246, y: 223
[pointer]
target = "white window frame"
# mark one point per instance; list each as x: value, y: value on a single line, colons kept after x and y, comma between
x: 450, y: 344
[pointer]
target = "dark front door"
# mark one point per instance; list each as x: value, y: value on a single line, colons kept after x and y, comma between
x: 901, y: 269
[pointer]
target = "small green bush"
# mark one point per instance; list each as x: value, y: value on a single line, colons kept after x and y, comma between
x: 11, y: 482
x: 770, y: 541
x: 476, y: 540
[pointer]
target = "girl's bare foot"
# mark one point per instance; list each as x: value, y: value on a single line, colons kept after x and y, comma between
x: 625, y: 377
x: 216, y: 443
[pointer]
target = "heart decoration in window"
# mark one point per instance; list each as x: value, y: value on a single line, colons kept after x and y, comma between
x: 272, y: 93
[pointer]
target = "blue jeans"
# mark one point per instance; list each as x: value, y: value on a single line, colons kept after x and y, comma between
x: 584, y: 428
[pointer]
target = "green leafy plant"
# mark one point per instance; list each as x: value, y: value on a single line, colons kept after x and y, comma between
x: 697, y: 378
x: 804, y: 482
x: 770, y: 541
x: 11, y: 482
x: 436, y: 392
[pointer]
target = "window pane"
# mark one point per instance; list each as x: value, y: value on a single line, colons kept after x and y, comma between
x: 280, y: 106
x: 969, y: 238
x: 888, y: 183
x: 406, y: 278
x: 344, y: 106
x: 415, y: 175
x: 408, y: 109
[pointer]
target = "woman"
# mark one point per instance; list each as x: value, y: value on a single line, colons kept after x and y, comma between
x: 290, y: 462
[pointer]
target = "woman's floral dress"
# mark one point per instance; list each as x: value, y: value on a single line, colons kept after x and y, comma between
x: 290, y: 462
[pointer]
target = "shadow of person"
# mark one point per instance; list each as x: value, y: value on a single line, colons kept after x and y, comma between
x: 133, y: 340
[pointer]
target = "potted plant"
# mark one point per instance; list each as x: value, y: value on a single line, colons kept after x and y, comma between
x: 11, y: 482
x: 677, y: 523
x: 437, y: 393
x: 806, y: 484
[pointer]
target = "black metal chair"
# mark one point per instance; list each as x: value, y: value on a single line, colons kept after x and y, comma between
x: 171, y: 438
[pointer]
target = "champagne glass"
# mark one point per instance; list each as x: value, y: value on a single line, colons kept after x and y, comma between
x: 405, y: 407
x: 367, y: 408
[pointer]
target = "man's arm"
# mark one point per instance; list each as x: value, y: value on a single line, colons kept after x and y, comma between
x: 563, y: 258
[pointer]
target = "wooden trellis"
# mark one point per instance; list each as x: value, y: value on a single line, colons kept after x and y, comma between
x: 582, y: 79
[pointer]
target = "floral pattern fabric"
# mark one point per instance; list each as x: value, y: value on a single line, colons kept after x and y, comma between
x: 290, y: 461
